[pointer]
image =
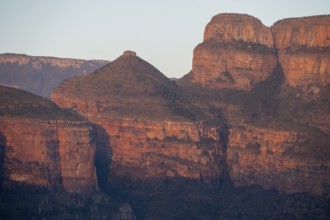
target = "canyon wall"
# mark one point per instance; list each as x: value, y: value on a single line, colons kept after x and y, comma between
x: 53, y: 150
x: 303, y: 46
x: 286, y: 160
x: 237, y: 53
x: 279, y: 130
x: 140, y: 135
x: 263, y: 135
x: 52, y: 154
x: 144, y: 149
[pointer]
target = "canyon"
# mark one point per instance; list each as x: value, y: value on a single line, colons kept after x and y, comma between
x: 252, y: 112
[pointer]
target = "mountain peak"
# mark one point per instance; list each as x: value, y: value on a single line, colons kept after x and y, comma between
x: 129, y: 53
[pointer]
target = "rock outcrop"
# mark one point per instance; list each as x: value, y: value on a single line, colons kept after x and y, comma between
x: 286, y: 160
x: 41, y: 75
x: 148, y: 127
x: 143, y: 149
x: 143, y: 122
x: 279, y: 126
x: 237, y: 53
x: 303, y: 46
x: 44, y: 146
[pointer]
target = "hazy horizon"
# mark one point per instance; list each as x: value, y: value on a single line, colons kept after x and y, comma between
x: 162, y: 33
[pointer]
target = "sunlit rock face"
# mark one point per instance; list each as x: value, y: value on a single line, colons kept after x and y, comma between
x: 143, y: 123
x: 145, y: 149
x: 237, y: 53
x: 279, y: 126
x: 303, y: 46
x: 286, y: 160
x: 44, y: 146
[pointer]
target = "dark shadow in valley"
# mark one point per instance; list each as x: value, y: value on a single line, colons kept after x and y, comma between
x: 266, y: 93
x: 183, y: 198
x: 103, y: 155
x: 3, y: 141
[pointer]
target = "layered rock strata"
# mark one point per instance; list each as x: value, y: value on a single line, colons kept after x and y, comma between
x: 279, y: 127
x: 286, y: 160
x: 144, y: 149
x: 54, y: 151
x: 141, y: 124
x: 303, y: 46
x: 237, y: 53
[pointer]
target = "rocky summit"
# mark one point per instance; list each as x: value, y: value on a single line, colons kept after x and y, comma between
x: 303, y: 46
x: 237, y: 52
x: 244, y: 135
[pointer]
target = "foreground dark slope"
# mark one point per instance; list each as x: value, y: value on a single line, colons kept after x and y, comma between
x: 41, y: 75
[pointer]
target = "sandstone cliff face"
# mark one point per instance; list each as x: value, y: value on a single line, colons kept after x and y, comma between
x: 282, y: 159
x: 140, y: 134
x: 227, y: 28
x: 77, y: 152
x: 40, y: 75
x: 303, y: 49
x: 144, y: 149
x: 279, y: 127
x: 237, y: 53
x: 51, y: 154
x: 54, y: 151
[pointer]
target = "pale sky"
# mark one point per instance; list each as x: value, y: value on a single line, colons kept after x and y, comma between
x: 162, y: 32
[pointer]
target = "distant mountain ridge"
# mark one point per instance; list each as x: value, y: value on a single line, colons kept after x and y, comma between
x: 40, y: 75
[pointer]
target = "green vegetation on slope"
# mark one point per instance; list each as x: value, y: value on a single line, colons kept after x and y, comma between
x: 131, y: 87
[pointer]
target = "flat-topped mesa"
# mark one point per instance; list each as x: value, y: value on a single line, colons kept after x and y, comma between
x: 228, y: 28
x: 237, y: 53
x: 129, y: 53
x: 40, y: 75
x: 306, y: 32
x: 38, y: 61
x: 303, y: 46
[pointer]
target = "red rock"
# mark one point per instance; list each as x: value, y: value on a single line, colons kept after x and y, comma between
x: 140, y: 136
x: 237, y: 53
x: 303, y: 49
x: 148, y: 148
x: 286, y: 160
x: 45, y: 146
